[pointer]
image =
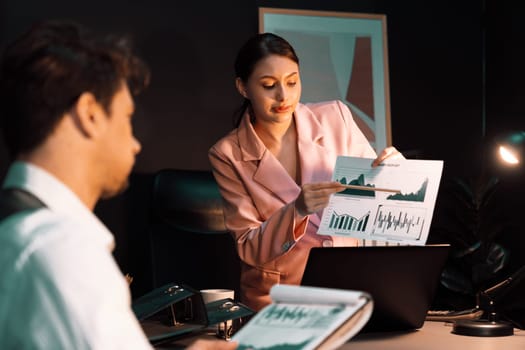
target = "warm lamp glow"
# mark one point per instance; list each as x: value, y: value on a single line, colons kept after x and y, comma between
x: 508, y: 156
x: 511, y: 147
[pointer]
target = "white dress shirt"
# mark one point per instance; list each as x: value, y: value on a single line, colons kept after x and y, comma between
x: 60, y: 287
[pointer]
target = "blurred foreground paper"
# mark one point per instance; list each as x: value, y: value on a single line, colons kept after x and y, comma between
x: 306, y: 318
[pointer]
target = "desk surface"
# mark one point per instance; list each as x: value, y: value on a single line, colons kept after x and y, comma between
x: 433, y: 335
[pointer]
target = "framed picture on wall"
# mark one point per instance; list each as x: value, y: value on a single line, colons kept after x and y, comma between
x: 342, y: 56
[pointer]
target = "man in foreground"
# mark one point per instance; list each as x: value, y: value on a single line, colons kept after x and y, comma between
x: 65, y: 108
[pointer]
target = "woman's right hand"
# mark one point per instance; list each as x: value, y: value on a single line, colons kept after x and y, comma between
x: 315, y: 196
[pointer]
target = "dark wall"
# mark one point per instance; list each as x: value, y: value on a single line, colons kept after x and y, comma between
x: 506, y: 65
x: 505, y: 109
x: 434, y: 59
x: 435, y: 51
x: 190, y: 48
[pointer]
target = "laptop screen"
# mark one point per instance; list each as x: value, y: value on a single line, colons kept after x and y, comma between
x: 401, y: 279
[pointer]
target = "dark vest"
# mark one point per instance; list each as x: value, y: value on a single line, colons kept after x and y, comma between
x: 14, y: 200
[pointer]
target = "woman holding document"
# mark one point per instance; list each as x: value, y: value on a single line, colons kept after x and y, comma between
x: 274, y: 169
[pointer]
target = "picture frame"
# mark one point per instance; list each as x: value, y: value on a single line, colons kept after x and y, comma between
x: 343, y: 56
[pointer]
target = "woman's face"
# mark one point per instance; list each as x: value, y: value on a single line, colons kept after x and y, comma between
x: 273, y: 88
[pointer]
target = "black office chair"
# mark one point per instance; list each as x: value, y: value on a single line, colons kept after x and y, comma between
x: 188, y: 238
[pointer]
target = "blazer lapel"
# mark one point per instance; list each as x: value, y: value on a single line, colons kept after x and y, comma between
x: 269, y: 173
x: 311, y: 148
x: 272, y: 175
x: 312, y: 151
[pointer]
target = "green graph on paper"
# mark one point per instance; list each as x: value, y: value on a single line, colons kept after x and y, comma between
x: 359, y: 181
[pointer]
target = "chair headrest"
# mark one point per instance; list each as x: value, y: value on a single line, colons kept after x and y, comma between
x: 188, y: 200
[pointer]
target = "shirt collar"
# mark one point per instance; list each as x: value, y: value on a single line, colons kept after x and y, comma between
x: 54, y: 194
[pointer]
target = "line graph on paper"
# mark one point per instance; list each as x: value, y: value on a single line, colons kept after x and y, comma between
x: 399, y: 222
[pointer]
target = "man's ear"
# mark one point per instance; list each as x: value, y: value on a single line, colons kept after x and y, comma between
x: 241, y: 87
x: 87, y: 114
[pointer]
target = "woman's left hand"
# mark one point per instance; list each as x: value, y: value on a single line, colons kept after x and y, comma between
x: 388, y: 153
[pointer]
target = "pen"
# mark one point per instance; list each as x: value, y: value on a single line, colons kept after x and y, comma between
x: 367, y: 188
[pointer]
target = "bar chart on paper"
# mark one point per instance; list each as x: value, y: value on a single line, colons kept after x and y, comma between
x: 392, y: 202
x: 346, y: 222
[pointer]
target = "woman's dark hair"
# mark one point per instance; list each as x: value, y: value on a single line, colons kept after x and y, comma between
x: 44, y: 72
x: 255, y: 49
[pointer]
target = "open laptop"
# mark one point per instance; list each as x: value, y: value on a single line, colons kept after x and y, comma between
x: 401, y: 279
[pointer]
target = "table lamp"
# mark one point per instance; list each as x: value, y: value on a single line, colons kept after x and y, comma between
x: 510, y: 149
x: 490, y: 324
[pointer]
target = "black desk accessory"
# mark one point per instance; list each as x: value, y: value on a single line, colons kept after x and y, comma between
x: 176, y: 309
x: 170, y: 311
x: 490, y: 324
x: 225, y: 310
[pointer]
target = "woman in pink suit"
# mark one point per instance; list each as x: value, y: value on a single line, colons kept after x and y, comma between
x: 274, y: 170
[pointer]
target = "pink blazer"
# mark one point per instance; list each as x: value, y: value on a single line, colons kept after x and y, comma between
x: 272, y: 240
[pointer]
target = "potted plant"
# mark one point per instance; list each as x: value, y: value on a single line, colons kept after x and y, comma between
x: 469, y: 220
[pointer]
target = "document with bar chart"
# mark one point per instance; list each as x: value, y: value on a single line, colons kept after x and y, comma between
x: 393, y: 202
